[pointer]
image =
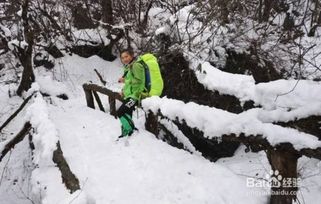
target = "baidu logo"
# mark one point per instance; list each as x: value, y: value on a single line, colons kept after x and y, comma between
x: 272, y: 180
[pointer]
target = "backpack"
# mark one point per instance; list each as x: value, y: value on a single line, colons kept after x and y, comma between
x: 153, y: 78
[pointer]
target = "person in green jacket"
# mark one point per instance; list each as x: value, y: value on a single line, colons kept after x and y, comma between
x: 134, y: 86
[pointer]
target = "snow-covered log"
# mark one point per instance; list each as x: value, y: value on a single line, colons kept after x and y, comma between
x: 48, y: 152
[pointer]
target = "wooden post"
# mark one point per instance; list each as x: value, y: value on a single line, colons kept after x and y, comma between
x: 112, y: 105
x: 284, y: 159
x: 152, y: 123
x: 89, y: 97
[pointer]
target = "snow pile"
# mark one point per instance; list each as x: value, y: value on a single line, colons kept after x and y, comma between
x: 288, y: 94
x: 215, y: 122
x: 283, y: 115
x: 74, y: 71
x: 50, y: 86
x: 91, y: 36
x: 6, y: 31
x: 239, y: 85
x: 16, y: 43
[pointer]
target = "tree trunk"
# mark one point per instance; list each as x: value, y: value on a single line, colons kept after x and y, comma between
x: 267, y: 10
x: 152, y: 123
x: 283, y: 160
x: 260, y: 10
x: 224, y: 11
x: 18, y: 138
x: 28, y: 76
x: 107, y: 6
x: 315, y: 18
x: 15, y: 113
x: 68, y: 177
x: 25, y: 55
x: 143, y: 23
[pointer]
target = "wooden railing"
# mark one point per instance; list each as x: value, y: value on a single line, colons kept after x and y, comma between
x: 91, y: 94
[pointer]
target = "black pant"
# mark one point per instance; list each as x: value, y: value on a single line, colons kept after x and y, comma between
x: 127, y: 107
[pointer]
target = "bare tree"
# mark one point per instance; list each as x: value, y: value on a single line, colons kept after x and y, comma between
x: 25, y: 54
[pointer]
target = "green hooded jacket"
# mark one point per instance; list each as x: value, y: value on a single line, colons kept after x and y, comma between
x: 134, y: 81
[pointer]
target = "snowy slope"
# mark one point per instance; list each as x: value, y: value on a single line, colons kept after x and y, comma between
x: 146, y: 171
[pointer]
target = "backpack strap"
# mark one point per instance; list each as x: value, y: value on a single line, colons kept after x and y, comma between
x: 147, y: 75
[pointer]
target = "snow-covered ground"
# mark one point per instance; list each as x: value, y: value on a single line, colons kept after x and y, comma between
x: 141, y: 169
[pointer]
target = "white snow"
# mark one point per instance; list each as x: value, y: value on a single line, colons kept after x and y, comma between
x: 19, y: 13
x: 16, y: 43
x: 45, y: 137
x: 5, y: 30
x: 74, y: 71
x: 52, y: 87
x: 161, y: 30
x: 289, y: 94
x: 91, y: 36
x: 146, y: 171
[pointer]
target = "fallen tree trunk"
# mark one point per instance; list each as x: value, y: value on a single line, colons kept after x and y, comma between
x: 310, y: 125
x: 18, y: 138
x: 16, y: 112
x: 69, y: 179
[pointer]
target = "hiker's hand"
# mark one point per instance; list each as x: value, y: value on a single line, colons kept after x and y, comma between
x: 121, y: 80
x: 121, y: 94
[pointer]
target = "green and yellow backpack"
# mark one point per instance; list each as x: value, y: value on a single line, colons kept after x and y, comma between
x: 153, y: 78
